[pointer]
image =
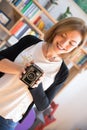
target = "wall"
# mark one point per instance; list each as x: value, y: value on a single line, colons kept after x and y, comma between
x: 72, y: 111
x: 56, y: 10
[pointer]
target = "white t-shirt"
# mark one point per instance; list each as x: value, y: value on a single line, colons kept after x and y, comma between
x: 14, y: 94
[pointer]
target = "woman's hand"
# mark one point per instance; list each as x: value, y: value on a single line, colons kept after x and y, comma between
x: 7, y: 66
x: 10, y: 67
x: 25, y: 79
x: 23, y: 71
x: 38, y: 81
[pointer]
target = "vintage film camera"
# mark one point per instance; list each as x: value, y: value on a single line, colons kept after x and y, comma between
x: 33, y: 73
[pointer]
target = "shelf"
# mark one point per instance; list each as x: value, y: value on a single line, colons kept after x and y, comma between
x: 2, y: 45
x: 46, y: 13
x: 79, y: 59
x: 31, y: 16
x: 4, y: 33
x: 72, y: 74
x: 10, y: 13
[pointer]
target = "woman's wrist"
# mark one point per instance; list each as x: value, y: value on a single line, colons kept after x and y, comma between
x: 7, y: 66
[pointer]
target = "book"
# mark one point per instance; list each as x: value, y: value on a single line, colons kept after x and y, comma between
x: 32, y: 19
x: 21, y: 5
x: 26, y: 1
x: 17, y: 2
x: 26, y: 32
x: 30, y: 9
x: 37, y: 20
x: 33, y: 12
x: 32, y: 32
x: 17, y: 27
x: 22, y: 27
x: 77, y: 55
x: 80, y: 58
x: 41, y: 24
x: 12, y: 40
x: 83, y: 60
x: 21, y: 31
x: 26, y: 6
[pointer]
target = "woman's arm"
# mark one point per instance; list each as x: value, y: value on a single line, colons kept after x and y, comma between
x: 12, y: 52
x: 42, y: 99
x: 58, y: 83
x: 7, y: 66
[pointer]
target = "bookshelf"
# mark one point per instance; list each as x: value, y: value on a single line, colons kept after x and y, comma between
x: 22, y: 17
x: 76, y: 62
x: 29, y: 12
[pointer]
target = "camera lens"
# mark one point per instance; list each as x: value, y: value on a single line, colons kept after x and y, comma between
x: 31, y: 76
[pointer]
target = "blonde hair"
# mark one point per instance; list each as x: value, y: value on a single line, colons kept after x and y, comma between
x: 67, y: 24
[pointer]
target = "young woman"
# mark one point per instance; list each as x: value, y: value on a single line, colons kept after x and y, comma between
x: 16, y: 98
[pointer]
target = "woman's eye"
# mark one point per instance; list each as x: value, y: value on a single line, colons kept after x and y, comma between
x: 63, y: 35
x: 72, y: 44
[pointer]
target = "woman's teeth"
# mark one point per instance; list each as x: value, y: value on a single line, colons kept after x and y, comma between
x: 60, y: 47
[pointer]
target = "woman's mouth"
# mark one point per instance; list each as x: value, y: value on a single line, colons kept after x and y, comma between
x: 60, y: 47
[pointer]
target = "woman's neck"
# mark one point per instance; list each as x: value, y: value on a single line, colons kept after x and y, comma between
x: 49, y: 53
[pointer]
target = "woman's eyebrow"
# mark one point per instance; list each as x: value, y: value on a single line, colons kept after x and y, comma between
x: 74, y: 41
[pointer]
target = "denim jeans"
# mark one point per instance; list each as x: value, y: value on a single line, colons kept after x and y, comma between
x: 7, y: 124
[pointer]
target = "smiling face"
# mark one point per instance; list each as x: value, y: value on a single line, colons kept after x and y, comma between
x: 66, y: 42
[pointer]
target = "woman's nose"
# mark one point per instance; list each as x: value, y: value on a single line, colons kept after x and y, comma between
x: 65, y: 42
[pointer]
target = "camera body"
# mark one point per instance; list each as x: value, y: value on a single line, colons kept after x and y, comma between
x: 33, y: 73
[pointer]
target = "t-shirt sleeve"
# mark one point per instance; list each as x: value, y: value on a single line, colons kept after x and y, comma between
x: 40, y: 98
x: 12, y: 52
